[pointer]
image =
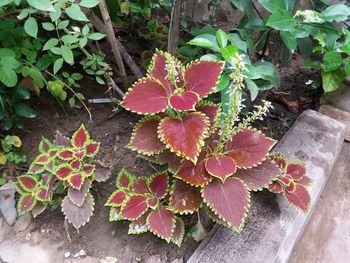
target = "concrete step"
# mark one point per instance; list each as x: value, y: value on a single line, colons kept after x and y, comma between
x: 273, y: 227
x: 327, y: 235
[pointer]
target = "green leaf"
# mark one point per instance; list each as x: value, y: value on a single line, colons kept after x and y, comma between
x: 331, y: 60
x: 273, y: 5
x: 346, y: 63
x: 336, y: 13
x: 205, y: 40
x: 281, y: 20
x: 7, y: 52
x: 88, y: 3
x: 24, y: 110
x: 10, y: 62
x: 82, y: 42
x: 253, y: 88
x: 57, y: 65
x: 63, y: 24
x: 331, y: 80
x: 236, y: 40
x: 223, y: 83
x: 8, y: 77
x: 48, y: 26
x: 100, y: 80
x: 5, y: 2
x: 268, y: 72
x: 71, y: 102
x: 85, y: 30
x: 24, y: 13
x: 55, y: 15
x: 221, y: 37
x: 42, y: 5
x: 305, y: 46
x: 77, y: 76
x: 228, y: 52
x: 75, y: 13
x: 210, y: 57
x: 96, y: 36
x: 80, y: 96
x: 52, y: 42
x: 67, y: 54
x: 290, y: 40
x: 31, y: 27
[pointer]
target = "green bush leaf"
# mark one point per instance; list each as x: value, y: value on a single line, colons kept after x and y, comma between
x: 57, y: 65
x: 221, y: 37
x: 88, y: 3
x: 253, y: 88
x: 273, y: 5
x: 31, y: 27
x: 5, y: 2
x: 281, y: 20
x: 7, y: 52
x: 75, y: 13
x: 24, y: 110
x: 205, y: 40
x: 10, y: 62
x: 336, y: 13
x: 223, y: 83
x: 50, y: 43
x: 96, y: 36
x: 43, y: 5
x: 346, y: 63
x: 48, y: 26
x: 63, y: 24
x: 331, y: 60
x: 332, y: 80
x: 290, y: 40
x: 8, y: 77
x: 67, y: 54
x: 236, y: 40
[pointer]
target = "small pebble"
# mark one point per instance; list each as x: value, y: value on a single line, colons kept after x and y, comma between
x: 113, y: 233
x: 67, y: 254
x: 81, y: 253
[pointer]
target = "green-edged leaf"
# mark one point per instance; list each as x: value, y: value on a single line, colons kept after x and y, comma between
x: 138, y: 226
x: 179, y: 232
x: 25, y: 203
x: 27, y: 182
x: 161, y: 222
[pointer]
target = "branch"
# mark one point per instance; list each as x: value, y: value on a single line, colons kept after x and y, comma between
x: 174, y: 27
x: 112, y: 40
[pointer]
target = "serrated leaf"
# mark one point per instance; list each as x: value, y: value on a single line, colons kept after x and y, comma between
x: 138, y: 226
x: 173, y: 132
x: 229, y: 200
x: 124, y: 179
x: 27, y: 182
x: 161, y: 222
x: 81, y: 137
x: 116, y: 199
x: 179, y: 232
x: 25, y: 203
x: 158, y: 184
x: 300, y: 198
x: 184, y: 198
x: 134, y: 207
x: 78, y: 216
x: 212, y: 111
x: 220, y: 167
x: 184, y: 102
x: 78, y: 196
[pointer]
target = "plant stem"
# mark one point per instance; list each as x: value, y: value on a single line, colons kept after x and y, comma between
x: 173, y: 38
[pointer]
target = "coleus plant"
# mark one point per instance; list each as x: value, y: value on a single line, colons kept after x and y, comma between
x: 214, y: 161
x: 66, y: 162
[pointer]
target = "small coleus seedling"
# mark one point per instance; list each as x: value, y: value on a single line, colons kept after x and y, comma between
x: 142, y: 201
x: 292, y: 182
x: 215, y: 159
x: 68, y: 162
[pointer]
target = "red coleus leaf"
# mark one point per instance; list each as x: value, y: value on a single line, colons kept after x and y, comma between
x: 79, y: 154
x: 194, y: 174
x: 229, y: 200
x: 179, y: 232
x: 161, y: 222
x: 280, y: 160
x: 248, y: 148
x: 116, y: 199
x: 169, y: 158
x: 61, y: 140
x: 144, y: 138
x: 152, y: 202
x: 139, y: 186
x: 285, y: 179
x: 43, y: 194
x: 81, y: 137
x: 27, y: 182
x: 134, y: 207
x: 76, y: 180
x: 92, y: 148
x: 296, y: 171
x: 305, y: 181
x: 42, y: 159
x: 300, y: 198
x: 159, y: 69
x: 184, y: 102
x: 53, y: 153
x: 259, y: 177
x: 36, y: 168
x: 44, y: 145
x: 185, y: 136
x: 158, y: 184
x: 63, y: 171
x: 124, y: 179
x: 147, y: 96
x: 75, y: 164
x: 184, y: 199
x: 201, y: 77
x: 66, y: 154
x: 212, y: 111
x: 291, y: 187
x: 25, y: 203
x: 220, y: 167
x: 88, y: 169
x: 275, y: 187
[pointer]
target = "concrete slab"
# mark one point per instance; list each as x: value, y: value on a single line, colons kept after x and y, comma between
x: 327, y: 235
x: 339, y: 115
x: 273, y: 227
x: 339, y: 99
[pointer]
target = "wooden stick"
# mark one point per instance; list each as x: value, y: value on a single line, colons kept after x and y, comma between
x: 112, y: 40
x: 173, y: 38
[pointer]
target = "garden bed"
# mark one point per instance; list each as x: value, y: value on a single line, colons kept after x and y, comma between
x: 100, y: 238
